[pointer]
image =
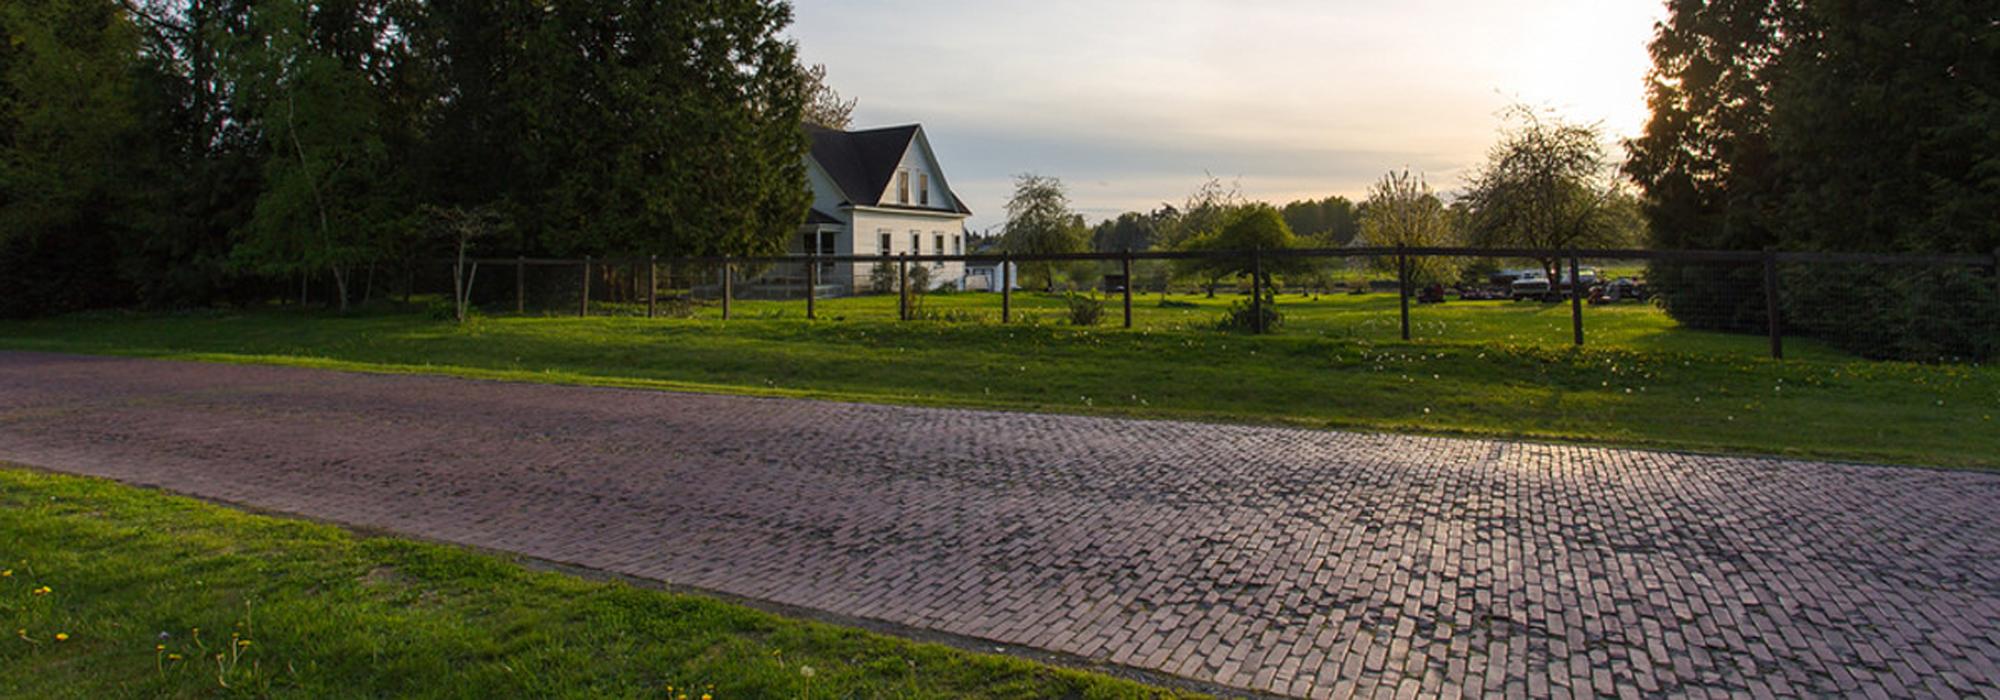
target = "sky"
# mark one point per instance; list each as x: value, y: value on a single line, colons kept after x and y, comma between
x: 1133, y: 103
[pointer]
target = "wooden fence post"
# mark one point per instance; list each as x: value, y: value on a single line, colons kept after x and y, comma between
x: 1576, y: 298
x: 583, y: 299
x: 1257, y: 290
x: 903, y: 287
x: 1403, y: 287
x: 1006, y: 275
x: 728, y: 287
x: 812, y: 284
x: 1772, y: 323
x: 652, y: 285
x: 1128, y: 287
x: 520, y: 284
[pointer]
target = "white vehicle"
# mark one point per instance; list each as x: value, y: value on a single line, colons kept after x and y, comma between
x: 1535, y: 287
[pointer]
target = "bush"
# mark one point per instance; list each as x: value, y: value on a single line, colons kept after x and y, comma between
x: 920, y: 278
x: 1875, y: 311
x: 1880, y: 312
x: 1084, y: 309
x: 1242, y: 317
x: 882, y: 278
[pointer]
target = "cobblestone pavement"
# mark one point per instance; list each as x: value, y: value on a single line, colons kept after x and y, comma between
x: 1290, y: 561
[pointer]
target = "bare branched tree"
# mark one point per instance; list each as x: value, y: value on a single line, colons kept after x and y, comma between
x: 463, y: 226
x: 824, y: 106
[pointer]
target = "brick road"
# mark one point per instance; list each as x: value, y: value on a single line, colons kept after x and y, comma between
x: 1290, y: 561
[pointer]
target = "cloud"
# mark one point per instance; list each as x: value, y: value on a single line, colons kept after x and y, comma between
x: 1129, y: 102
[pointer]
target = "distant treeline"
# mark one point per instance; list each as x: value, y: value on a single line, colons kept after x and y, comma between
x: 176, y: 152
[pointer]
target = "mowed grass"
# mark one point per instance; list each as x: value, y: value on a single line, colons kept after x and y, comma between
x: 1374, y: 318
x: 1641, y: 382
x: 112, y: 591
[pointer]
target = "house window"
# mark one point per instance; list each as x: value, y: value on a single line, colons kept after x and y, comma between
x: 903, y: 187
x: 885, y: 244
x: 939, y: 240
x: 957, y: 245
x: 827, y: 243
x: 924, y: 190
x: 916, y: 243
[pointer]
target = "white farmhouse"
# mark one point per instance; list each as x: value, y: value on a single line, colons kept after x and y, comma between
x: 876, y: 191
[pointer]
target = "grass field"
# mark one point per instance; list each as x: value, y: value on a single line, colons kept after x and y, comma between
x: 1488, y: 372
x: 1364, y: 317
x: 112, y: 591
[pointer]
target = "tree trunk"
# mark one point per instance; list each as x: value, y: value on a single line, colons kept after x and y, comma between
x: 340, y: 286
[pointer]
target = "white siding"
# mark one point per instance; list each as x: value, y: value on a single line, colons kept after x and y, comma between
x: 826, y: 196
x: 918, y: 166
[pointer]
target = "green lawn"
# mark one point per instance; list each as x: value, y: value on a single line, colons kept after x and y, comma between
x: 1365, y: 317
x: 1642, y: 381
x: 161, y: 596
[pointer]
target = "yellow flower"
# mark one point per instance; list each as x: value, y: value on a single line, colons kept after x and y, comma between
x: 173, y: 657
x: 706, y: 696
x: 7, y: 573
x: 243, y: 643
x: 159, y: 647
x: 62, y: 636
x: 45, y: 590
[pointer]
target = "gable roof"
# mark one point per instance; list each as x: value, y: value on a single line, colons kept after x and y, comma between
x: 862, y: 162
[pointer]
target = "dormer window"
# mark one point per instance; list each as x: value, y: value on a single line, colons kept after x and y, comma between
x: 924, y: 189
x: 903, y: 187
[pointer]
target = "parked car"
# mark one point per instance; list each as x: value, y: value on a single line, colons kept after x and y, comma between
x: 1527, y: 288
x: 1621, y: 289
x: 1538, y: 287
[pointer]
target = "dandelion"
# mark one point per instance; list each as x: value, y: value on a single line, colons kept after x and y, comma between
x: 173, y: 657
x: 44, y: 590
x: 62, y: 636
x: 6, y: 573
x: 806, y: 671
x: 243, y: 643
x: 159, y: 647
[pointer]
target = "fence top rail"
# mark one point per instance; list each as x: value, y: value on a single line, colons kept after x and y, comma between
x: 1742, y: 256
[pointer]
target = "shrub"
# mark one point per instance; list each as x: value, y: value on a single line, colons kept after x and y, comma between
x: 882, y: 278
x: 920, y: 278
x: 1084, y: 309
x: 1242, y: 317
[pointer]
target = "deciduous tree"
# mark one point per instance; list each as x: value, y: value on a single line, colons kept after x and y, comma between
x: 1039, y: 222
x: 1402, y: 210
x: 1548, y: 185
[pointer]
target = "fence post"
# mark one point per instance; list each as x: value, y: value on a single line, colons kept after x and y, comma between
x: 1403, y: 287
x: 583, y: 298
x: 1006, y: 288
x: 812, y: 284
x: 652, y: 285
x: 1772, y: 323
x: 1128, y: 287
x: 903, y: 287
x: 520, y: 284
x: 1576, y: 298
x: 728, y: 287
x: 1257, y: 290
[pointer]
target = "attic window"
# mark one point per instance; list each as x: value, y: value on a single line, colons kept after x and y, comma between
x: 903, y: 187
x: 924, y: 189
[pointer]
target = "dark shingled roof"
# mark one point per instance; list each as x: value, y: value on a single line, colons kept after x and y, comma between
x: 862, y: 162
x: 819, y: 217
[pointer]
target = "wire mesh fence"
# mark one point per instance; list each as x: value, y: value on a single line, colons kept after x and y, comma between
x: 1929, y: 307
